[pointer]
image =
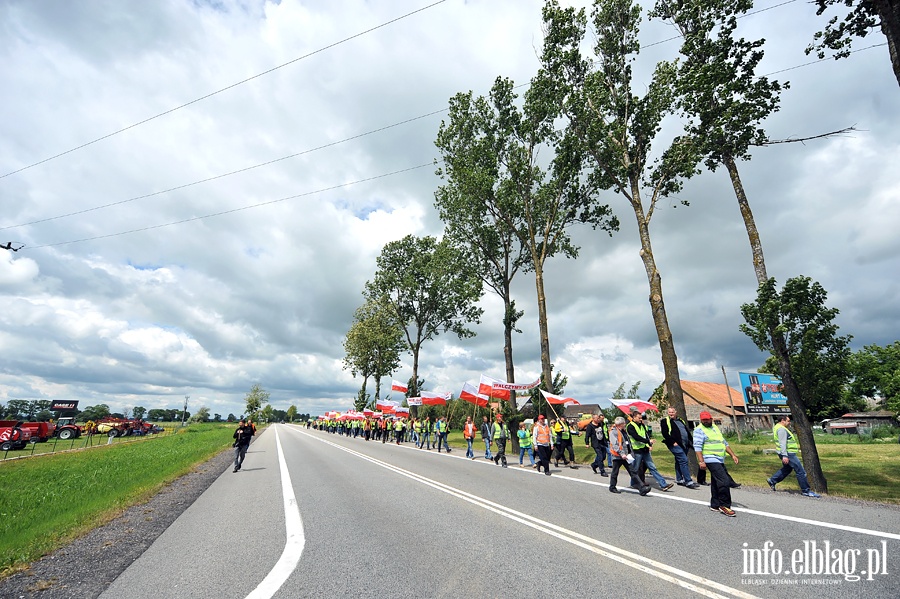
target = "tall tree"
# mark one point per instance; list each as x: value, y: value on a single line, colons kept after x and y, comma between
x: 291, y: 413
x: 430, y: 288
x: 876, y: 374
x: 138, y: 412
x: 817, y: 354
x: 863, y: 17
x: 372, y: 345
x: 202, y: 415
x: 255, y: 399
x: 492, y: 151
x: 477, y: 201
x: 618, y: 129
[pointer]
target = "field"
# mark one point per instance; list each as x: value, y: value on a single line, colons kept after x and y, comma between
x: 48, y: 500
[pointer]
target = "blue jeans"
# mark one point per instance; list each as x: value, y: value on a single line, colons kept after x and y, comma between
x: 600, y: 453
x: 441, y: 438
x: 522, y: 451
x: 795, y: 465
x: 487, y: 449
x: 682, y: 470
x: 469, y: 452
x: 643, y: 462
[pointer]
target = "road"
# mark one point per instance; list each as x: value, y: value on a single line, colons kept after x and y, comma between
x: 315, y: 514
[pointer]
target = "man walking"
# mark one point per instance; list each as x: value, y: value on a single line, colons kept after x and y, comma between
x: 242, y: 437
x: 469, y: 435
x: 596, y: 437
x: 486, y: 431
x: 543, y: 441
x: 677, y: 436
x: 788, y: 451
x: 500, y: 435
x: 711, y: 447
x: 642, y: 444
x: 620, y: 450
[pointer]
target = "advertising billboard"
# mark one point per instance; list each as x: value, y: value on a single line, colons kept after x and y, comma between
x: 762, y: 394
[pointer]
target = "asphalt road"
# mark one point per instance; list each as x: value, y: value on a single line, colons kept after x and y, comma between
x: 315, y: 514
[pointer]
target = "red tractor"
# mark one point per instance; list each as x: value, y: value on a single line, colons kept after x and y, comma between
x: 13, y: 435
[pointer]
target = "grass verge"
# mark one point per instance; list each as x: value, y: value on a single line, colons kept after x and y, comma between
x: 47, y: 501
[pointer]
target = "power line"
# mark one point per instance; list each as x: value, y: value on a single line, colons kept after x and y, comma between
x: 228, y: 174
x: 806, y: 64
x: 233, y: 85
x: 193, y: 218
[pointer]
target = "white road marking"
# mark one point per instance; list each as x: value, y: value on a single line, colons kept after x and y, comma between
x: 652, y: 567
x: 295, y: 541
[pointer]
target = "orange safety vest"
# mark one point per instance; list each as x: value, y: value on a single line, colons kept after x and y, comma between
x: 469, y: 430
x: 542, y: 435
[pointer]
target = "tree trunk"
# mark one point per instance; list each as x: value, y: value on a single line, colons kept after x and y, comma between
x: 546, y: 367
x: 889, y: 13
x: 802, y: 425
x: 508, y: 325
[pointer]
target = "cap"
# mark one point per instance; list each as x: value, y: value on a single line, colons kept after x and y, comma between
x: 705, y: 415
x: 540, y: 417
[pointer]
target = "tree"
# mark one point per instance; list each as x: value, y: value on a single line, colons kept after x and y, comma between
x: 817, y: 355
x: 864, y: 16
x: 372, y: 346
x: 291, y: 413
x: 202, y: 415
x: 138, y: 412
x: 217, y: 418
x: 429, y: 288
x: 95, y: 412
x: 255, y: 399
x: 231, y: 418
x: 268, y: 413
x: 618, y: 128
x: 492, y: 151
x: 631, y: 394
x: 875, y: 373
x: 475, y: 200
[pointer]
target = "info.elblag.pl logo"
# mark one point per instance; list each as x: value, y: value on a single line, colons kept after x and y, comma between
x: 813, y: 562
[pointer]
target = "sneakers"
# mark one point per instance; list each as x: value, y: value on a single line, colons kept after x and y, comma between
x: 771, y: 484
x: 811, y: 493
x: 644, y: 490
x: 614, y: 490
x: 713, y: 509
x: 727, y: 511
x: 692, y: 485
x: 667, y: 487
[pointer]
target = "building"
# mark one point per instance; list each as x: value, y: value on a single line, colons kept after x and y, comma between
x: 714, y: 398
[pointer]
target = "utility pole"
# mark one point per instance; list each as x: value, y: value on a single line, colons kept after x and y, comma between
x: 731, y: 401
x: 184, y: 411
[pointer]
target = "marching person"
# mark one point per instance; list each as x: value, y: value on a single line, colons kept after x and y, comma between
x: 525, y: 445
x: 711, y: 447
x: 486, y: 431
x: 564, y: 443
x: 620, y: 450
x: 596, y: 437
x: 500, y: 436
x: 469, y: 436
x: 788, y: 451
x: 676, y: 435
x: 642, y: 444
x: 242, y: 437
x: 543, y: 441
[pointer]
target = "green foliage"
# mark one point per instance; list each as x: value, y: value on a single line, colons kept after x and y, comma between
x: 818, y: 356
x: 202, y: 415
x: 373, y: 344
x: 138, y: 412
x: 94, y: 412
x: 875, y: 373
x: 255, y: 399
x: 291, y: 413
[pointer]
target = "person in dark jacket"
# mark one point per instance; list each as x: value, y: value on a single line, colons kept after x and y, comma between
x: 642, y: 444
x: 678, y: 438
x: 596, y: 436
x: 242, y: 437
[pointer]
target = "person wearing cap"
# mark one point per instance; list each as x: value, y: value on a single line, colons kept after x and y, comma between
x: 500, y: 436
x: 788, y: 451
x: 596, y: 437
x: 676, y: 435
x: 620, y: 450
x: 242, y: 437
x: 564, y: 442
x: 543, y: 441
x: 486, y: 431
x: 711, y: 447
x: 642, y: 444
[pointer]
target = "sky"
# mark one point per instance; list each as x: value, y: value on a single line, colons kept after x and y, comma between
x: 203, y: 187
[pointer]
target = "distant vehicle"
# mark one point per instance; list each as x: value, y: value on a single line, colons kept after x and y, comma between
x: 13, y: 436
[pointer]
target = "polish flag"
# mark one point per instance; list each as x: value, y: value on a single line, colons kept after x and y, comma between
x: 401, y: 411
x: 627, y: 404
x: 414, y: 401
x: 386, y: 406
x: 368, y: 413
x: 470, y: 394
x: 398, y: 386
x: 558, y: 399
x: 487, y: 387
x: 434, y: 399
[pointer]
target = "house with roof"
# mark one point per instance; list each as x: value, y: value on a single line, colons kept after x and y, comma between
x: 718, y: 399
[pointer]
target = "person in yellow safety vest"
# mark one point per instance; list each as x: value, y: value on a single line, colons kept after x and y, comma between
x: 426, y: 433
x: 441, y: 429
x: 500, y: 436
x: 417, y: 431
x: 469, y: 435
x: 789, y: 452
x: 711, y: 447
x: 563, y: 443
x: 642, y: 444
x: 398, y: 430
x: 525, y: 445
x: 542, y: 437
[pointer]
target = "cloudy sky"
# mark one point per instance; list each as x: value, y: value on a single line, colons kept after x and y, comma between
x: 150, y: 273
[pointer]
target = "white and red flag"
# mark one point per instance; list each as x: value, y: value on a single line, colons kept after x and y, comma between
x: 434, y: 399
x: 558, y: 400
x: 368, y: 413
x: 401, y: 411
x: 398, y: 386
x: 626, y: 405
x: 386, y: 406
x: 414, y: 401
x: 488, y: 386
x: 470, y: 394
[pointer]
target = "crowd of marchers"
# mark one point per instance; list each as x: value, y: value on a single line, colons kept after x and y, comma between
x: 626, y: 443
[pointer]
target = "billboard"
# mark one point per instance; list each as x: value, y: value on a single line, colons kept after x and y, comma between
x: 762, y: 394
x: 64, y: 406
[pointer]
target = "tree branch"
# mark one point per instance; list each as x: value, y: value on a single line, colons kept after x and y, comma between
x: 791, y: 140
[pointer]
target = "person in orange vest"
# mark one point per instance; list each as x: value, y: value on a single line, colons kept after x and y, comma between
x: 542, y: 437
x: 469, y: 435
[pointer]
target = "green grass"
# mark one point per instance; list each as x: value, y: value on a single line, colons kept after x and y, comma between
x: 48, y: 500
x: 855, y: 466
x: 55, y: 445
